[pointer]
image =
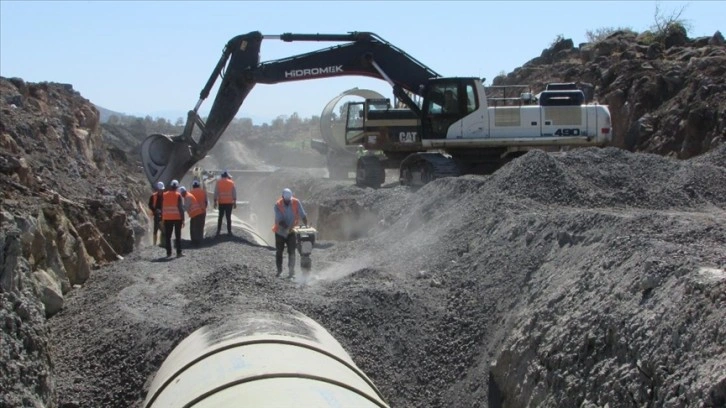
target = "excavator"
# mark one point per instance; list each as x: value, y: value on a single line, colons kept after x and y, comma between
x: 341, y: 156
x: 439, y: 126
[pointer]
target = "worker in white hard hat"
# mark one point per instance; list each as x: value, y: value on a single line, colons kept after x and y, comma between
x: 225, y: 197
x: 289, y: 212
x: 158, y: 226
x: 172, y: 213
x: 194, y: 210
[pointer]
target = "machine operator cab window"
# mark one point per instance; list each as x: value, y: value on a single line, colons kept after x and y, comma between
x: 354, y: 116
x: 447, y: 101
x: 443, y: 99
x: 451, y: 104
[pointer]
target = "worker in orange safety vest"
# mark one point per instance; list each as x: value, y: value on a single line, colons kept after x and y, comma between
x: 289, y: 212
x: 172, y: 213
x: 196, y: 224
x: 192, y: 208
x: 225, y: 197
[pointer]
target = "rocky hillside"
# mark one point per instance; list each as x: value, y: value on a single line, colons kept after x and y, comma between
x: 70, y: 204
x: 667, y: 95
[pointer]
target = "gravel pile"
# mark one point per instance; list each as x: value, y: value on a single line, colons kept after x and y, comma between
x: 590, y: 277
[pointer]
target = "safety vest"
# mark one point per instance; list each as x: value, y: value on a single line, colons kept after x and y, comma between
x: 201, y: 197
x: 193, y: 207
x: 153, y: 199
x: 295, y: 203
x: 170, y: 209
x: 224, y: 191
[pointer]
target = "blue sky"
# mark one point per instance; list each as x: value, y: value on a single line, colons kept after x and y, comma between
x: 144, y: 57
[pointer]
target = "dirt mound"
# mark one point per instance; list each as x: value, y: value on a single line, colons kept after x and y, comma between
x: 612, y: 178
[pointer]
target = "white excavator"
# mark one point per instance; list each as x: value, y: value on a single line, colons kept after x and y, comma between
x: 449, y: 125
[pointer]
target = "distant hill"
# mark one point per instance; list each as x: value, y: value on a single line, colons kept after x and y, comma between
x: 105, y: 114
x: 171, y: 115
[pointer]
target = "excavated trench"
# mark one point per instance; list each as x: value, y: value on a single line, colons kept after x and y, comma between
x: 558, y: 281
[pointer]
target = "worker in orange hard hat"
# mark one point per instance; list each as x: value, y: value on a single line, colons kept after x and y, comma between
x: 172, y: 213
x: 289, y: 212
x: 225, y: 197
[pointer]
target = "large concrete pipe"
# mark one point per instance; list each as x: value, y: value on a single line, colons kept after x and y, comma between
x: 264, y: 359
x: 334, y: 132
x: 250, y: 232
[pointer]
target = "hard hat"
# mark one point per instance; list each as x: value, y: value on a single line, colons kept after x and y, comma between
x: 287, y: 194
x: 195, y: 183
x: 160, y: 185
x: 174, y: 183
x: 182, y: 189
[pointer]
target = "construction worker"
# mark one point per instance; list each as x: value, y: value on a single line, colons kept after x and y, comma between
x: 158, y: 225
x: 172, y: 213
x: 192, y: 208
x: 196, y: 224
x: 288, y: 213
x: 225, y: 197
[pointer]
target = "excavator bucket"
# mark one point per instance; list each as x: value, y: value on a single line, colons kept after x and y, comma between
x: 165, y: 158
x: 169, y: 157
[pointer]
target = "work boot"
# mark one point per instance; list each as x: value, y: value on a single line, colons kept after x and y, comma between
x: 155, y: 239
x: 291, y: 275
x: 279, y: 272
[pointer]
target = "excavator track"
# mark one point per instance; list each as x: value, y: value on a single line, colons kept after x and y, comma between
x: 421, y: 168
x: 370, y: 172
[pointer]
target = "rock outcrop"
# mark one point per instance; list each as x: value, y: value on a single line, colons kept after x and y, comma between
x: 69, y: 205
x: 666, y: 95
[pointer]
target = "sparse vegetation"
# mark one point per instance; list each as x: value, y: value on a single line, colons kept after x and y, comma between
x: 557, y: 40
x: 595, y: 36
x: 666, y: 25
x: 282, y: 129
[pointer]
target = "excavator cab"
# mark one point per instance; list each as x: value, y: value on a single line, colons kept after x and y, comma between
x: 446, y: 101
